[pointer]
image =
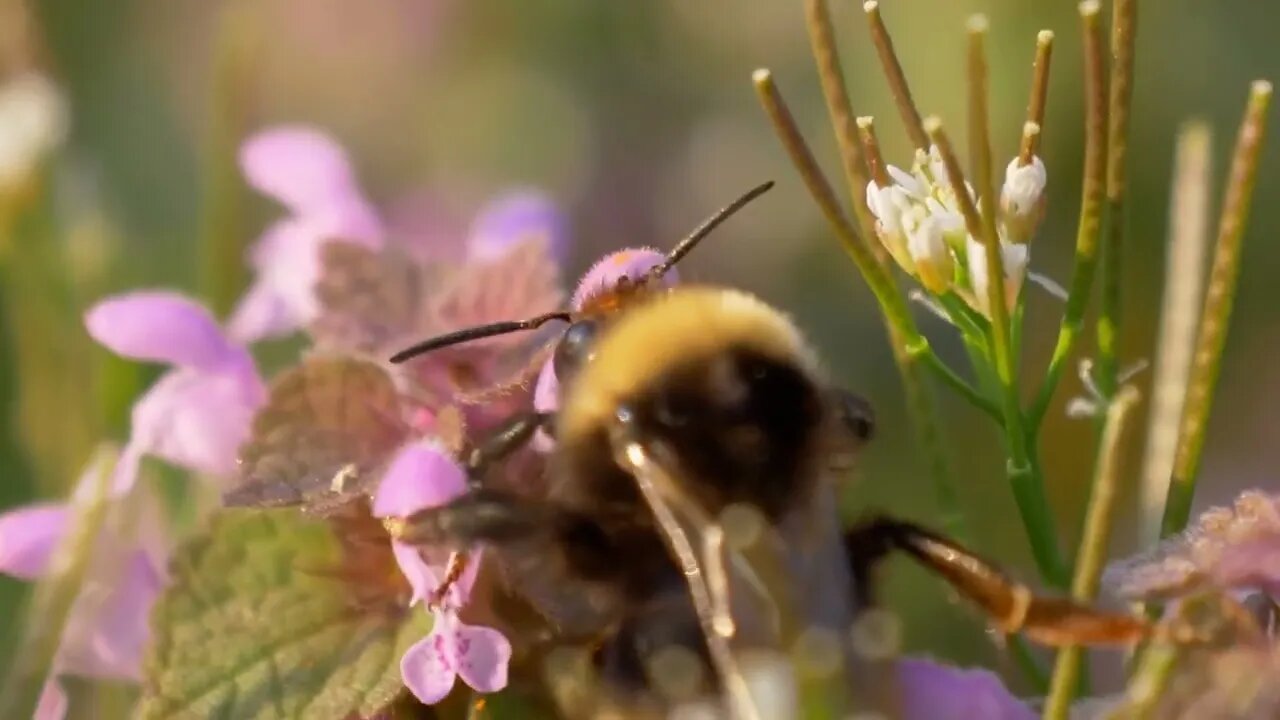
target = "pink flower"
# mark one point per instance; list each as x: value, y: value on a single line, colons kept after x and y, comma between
x: 479, y: 655
x: 423, y: 476
x: 1229, y: 548
x: 106, y: 630
x: 932, y: 691
x: 311, y: 176
x: 197, y: 415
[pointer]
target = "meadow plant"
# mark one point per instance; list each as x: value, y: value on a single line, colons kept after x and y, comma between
x: 262, y: 613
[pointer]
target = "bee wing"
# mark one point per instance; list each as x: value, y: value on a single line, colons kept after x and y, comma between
x: 327, y: 428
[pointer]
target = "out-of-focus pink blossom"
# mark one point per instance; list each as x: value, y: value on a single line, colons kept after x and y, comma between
x: 932, y: 691
x: 106, y: 630
x: 478, y: 655
x: 1228, y: 548
x: 310, y: 174
x: 516, y: 217
x: 197, y: 415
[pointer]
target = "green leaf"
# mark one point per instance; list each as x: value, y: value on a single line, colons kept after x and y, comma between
x: 253, y: 626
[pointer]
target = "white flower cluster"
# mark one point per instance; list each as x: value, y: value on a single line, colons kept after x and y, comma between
x: 33, y: 122
x: 918, y: 220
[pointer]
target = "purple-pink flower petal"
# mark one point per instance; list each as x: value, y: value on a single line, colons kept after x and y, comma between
x: 421, y: 475
x: 422, y: 580
x: 299, y: 166
x: 633, y: 263
x: 197, y: 420
x: 427, y: 667
x: 161, y: 326
x: 482, y: 655
x: 28, y: 537
x: 53, y: 702
x: 514, y: 218
x: 932, y: 691
x: 107, y: 632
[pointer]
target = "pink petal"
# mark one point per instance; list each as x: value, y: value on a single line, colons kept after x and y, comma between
x: 630, y: 262
x: 28, y: 537
x: 163, y: 327
x: 262, y: 313
x: 422, y: 475
x: 310, y: 174
x: 107, y: 632
x: 1254, y: 563
x: 415, y: 570
x: 301, y: 167
x: 53, y: 702
x: 422, y: 222
x: 515, y: 218
x: 482, y: 657
x: 427, y: 667
x: 197, y: 420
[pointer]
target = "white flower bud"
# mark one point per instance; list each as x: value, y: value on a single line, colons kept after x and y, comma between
x: 929, y: 252
x: 1014, y: 257
x: 1022, y: 199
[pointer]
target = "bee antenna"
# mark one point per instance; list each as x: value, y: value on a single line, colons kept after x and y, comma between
x: 475, y: 333
x: 692, y: 239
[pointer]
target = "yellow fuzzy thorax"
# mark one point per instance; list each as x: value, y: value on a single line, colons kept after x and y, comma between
x: 675, y: 327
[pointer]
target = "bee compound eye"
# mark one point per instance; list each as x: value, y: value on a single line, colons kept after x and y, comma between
x: 574, y: 348
x: 855, y: 414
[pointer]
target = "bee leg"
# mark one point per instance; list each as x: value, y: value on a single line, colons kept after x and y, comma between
x: 516, y: 432
x: 1012, y: 606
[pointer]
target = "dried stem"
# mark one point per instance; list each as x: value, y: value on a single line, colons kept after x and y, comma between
x: 1024, y: 474
x: 920, y: 400
x: 1124, y: 22
x: 840, y: 109
x: 897, y: 79
x: 867, y: 132
x: 1093, y: 545
x: 980, y: 150
x: 1183, y: 287
x: 1216, y: 317
x: 1039, y: 97
x: 1095, y: 167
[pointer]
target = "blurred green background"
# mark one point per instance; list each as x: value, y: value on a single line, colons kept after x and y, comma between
x: 639, y: 118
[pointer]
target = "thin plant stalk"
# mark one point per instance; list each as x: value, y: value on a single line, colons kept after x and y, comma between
x: 897, y: 79
x: 1023, y: 471
x: 1091, y: 205
x: 223, y: 229
x: 1179, y: 311
x: 921, y: 403
x: 53, y: 598
x: 1093, y: 545
x: 1039, y: 97
x: 1216, y: 316
x: 1124, y: 21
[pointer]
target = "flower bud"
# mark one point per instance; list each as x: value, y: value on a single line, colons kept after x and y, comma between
x: 1022, y: 199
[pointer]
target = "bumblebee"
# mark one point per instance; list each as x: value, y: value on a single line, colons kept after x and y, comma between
x: 680, y: 409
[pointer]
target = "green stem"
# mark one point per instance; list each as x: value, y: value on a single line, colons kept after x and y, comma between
x: 1216, y: 317
x: 223, y: 231
x: 1092, y: 193
x: 1067, y: 670
x: 1124, y: 21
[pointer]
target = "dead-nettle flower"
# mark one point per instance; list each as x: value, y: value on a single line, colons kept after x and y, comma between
x: 309, y: 174
x: 33, y: 122
x: 919, y: 222
x: 106, y: 631
x: 1235, y: 549
x: 424, y: 476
